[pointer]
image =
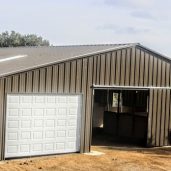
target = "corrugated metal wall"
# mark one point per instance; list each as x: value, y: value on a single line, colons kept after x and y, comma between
x: 126, y: 67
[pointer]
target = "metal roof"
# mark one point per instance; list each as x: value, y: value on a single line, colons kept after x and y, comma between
x: 19, y: 59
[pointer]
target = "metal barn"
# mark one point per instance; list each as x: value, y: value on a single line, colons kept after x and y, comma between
x: 58, y: 99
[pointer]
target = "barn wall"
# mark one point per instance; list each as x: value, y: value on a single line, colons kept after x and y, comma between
x: 126, y: 67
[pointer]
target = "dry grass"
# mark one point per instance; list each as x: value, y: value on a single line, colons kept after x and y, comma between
x: 114, y: 159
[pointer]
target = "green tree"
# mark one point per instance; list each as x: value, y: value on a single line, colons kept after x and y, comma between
x: 14, y: 39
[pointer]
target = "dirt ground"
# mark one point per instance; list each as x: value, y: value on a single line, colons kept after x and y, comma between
x: 113, y: 159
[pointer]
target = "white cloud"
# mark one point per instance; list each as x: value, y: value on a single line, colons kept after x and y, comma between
x: 132, y: 3
x: 142, y: 14
x: 123, y: 29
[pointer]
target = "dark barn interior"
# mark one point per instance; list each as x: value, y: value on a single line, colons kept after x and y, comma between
x: 120, y: 117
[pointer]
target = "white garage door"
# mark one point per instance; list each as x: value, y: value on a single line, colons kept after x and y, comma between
x: 42, y: 124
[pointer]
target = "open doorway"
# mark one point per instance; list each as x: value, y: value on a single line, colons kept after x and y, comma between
x: 120, y: 117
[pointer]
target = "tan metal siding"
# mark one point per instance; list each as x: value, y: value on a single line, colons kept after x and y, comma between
x: 42, y: 81
x: 8, y: 86
x: 159, y: 70
x: 61, y: 78
x: 88, y: 104
x: 98, y: 58
x: 118, y: 67
x: 163, y: 112
x: 155, y: 70
x: 154, y: 116
x: 169, y: 125
x: 151, y: 70
x: 36, y: 74
x: 73, y: 77
x: 159, y: 112
x: 162, y: 119
x: 130, y: 67
x: 146, y: 69
x: 142, y: 69
x: 166, y: 124
x: 137, y: 67
x: 29, y: 81
x: 107, y: 69
x: 84, y: 91
x: 113, y: 69
x: 2, y: 116
x: 79, y: 75
x: 94, y: 69
x: 55, y: 76
x: 48, y: 79
x: 102, y: 69
x: 67, y: 77
x: 15, y: 81
x: 150, y: 118
x: 123, y: 67
x: 167, y: 107
x: 22, y: 82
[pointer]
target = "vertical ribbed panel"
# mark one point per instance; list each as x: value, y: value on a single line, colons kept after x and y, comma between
x: 141, y: 70
x: 150, y: 118
x: 2, y: 117
x: 15, y: 83
x: 29, y: 79
x: 107, y: 69
x: 146, y: 69
x: 102, y: 69
x: 151, y: 70
x: 49, y: 79
x: 88, y: 104
x: 61, y: 78
x: 155, y: 71
x: 159, y: 70
x: 73, y: 69
x: 118, y: 67
x: 167, y: 113
x: 123, y: 67
x: 42, y: 81
x: 36, y: 80
x: 94, y: 69
x: 67, y: 77
x: 137, y: 67
x: 84, y: 91
x: 113, y: 69
x: 154, y: 116
x: 98, y: 63
x: 8, y: 86
x: 158, y: 118
x: 22, y: 82
x: 79, y: 75
x: 162, y: 118
x: 55, y: 76
x: 130, y: 67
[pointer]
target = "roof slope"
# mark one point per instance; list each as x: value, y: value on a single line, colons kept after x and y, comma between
x: 19, y: 59
x: 40, y: 56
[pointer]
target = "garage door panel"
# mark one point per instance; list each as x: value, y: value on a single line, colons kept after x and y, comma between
x: 42, y: 124
x: 13, y: 99
x: 13, y: 111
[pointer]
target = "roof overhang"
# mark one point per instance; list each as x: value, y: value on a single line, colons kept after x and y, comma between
x: 116, y: 87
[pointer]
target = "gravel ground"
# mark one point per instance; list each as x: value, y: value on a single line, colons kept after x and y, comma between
x: 103, y: 159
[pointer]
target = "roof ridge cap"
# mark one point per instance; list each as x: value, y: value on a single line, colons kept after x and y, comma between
x: 81, y: 45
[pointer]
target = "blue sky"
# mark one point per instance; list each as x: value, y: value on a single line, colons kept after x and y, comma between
x: 91, y: 21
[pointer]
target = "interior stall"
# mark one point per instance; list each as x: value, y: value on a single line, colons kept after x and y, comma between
x: 120, y: 116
